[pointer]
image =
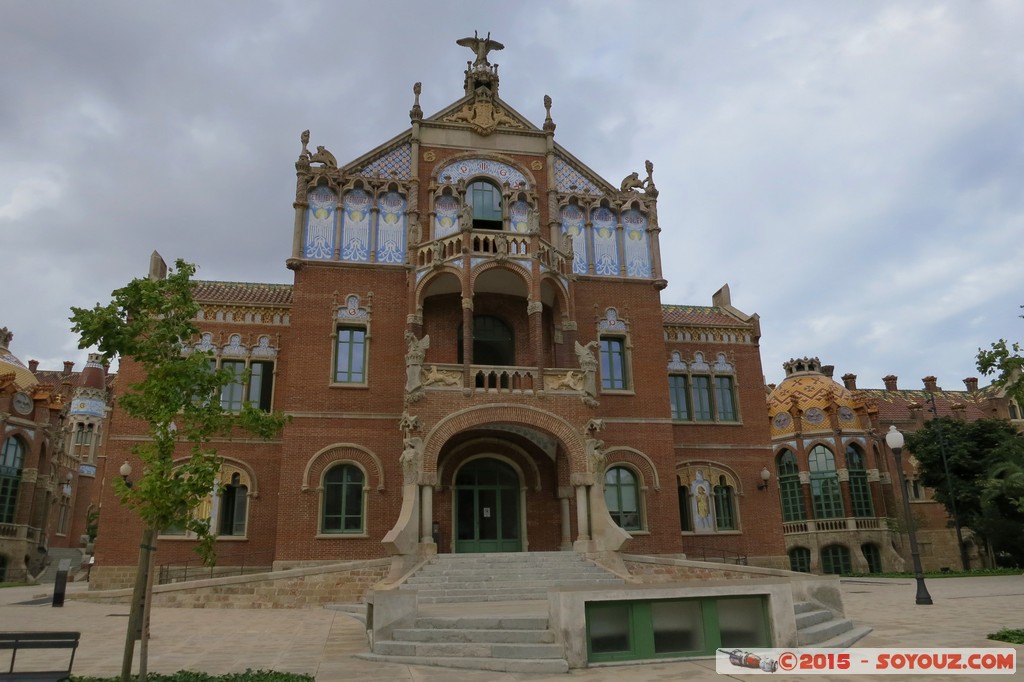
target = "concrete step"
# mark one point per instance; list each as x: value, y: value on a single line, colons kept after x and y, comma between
x: 512, y: 665
x: 55, y: 555
x: 821, y: 632
x: 846, y: 639
x: 477, y: 583
x: 809, y: 618
x: 804, y: 606
x: 494, y: 636
x: 469, y: 650
x: 456, y: 598
x: 482, y: 623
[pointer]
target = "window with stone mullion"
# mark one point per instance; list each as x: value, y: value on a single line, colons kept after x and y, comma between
x: 790, y: 488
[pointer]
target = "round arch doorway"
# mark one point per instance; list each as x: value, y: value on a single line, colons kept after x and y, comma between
x: 487, y: 507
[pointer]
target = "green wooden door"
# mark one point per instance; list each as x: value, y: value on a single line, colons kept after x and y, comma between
x: 487, y: 508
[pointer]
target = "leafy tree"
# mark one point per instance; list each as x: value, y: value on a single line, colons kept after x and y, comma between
x: 150, y: 322
x: 986, y: 475
x: 1006, y: 361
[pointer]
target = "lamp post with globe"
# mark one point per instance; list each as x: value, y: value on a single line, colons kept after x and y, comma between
x: 894, y: 439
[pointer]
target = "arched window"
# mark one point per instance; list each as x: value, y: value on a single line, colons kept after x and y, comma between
x: 872, y: 556
x: 800, y: 559
x: 621, y: 494
x: 343, y: 500
x: 685, y: 517
x: 12, y: 458
x: 789, y: 487
x: 825, y: 494
x: 835, y: 559
x: 485, y: 198
x: 493, y: 342
x: 234, y: 503
x: 725, y: 506
x: 860, y: 491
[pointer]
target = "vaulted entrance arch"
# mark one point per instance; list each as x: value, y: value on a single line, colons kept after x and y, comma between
x: 487, y: 514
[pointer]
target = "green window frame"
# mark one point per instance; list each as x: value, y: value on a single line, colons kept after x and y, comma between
x: 613, y: 363
x: 835, y: 559
x: 342, y: 510
x: 12, y: 458
x: 350, y: 356
x: 800, y: 560
x: 622, y: 495
x: 701, y: 386
x: 725, y: 399
x: 678, y: 389
x: 825, y: 492
x: 232, y: 394
x: 790, y: 488
x: 674, y: 628
x: 485, y: 198
x: 725, y: 506
x: 860, y: 490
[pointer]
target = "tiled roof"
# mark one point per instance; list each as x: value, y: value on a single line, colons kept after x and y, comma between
x: 893, y: 405
x: 206, y: 291
x: 699, y: 315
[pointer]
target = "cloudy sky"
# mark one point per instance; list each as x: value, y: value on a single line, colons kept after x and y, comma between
x: 853, y: 170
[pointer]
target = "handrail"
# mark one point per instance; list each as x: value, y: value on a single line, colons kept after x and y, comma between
x: 179, y: 572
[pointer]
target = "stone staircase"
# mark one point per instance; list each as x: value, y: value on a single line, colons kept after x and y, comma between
x: 452, y: 578
x: 55, y: 555
x: 819, y: 628
x: 496, y: 642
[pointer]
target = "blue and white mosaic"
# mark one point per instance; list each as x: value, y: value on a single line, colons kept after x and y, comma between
x: 637, y: 255
x: 391, y: 229
x: 355, y: 229
x: 446, y: 216
x: 471, y: 168
x: 318, y: 241
x: 519, y: 214
x: 568, y: 179
x: 395, y: 164
x: 606, y: 250
x: 573, y: 225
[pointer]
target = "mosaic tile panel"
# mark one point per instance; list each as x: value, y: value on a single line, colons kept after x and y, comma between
x: 395, y: 164
x: 471, y: 168
x: 355, y: 227
x: 573, y: 225
x: 318, y: 233
x: 391, y: 229
x: 606, y: 250
x: 446, y: 216
x: 637, y: 253
x: 519, y: 216
x: 568, y: 179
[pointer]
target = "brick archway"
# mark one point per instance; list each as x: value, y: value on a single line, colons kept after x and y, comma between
x: 504, y: 413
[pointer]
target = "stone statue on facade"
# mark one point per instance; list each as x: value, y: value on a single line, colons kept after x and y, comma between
x: 649, y: 188
x: 631, y: 183
x: 481, y: 47
x: 411, y: 459
x: 594, y: 446
x: 533, y: 220
x: 304, y: 138
x: 440, y: 376
x: 588, y: 364
x: 466, y: 217
x: 415, y: 353
x: 325, y: 157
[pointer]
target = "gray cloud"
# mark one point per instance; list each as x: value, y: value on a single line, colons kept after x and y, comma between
x: 853, y: 170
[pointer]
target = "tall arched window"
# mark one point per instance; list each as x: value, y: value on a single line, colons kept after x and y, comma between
x: 835, y: 559
x: 485, y: 198
x: 725, y: 506
x: 234, y: 503
x: 685, y: 517
x: 872, y: 556
x: 621, y: 494
x: 343, y: 500
x: 800, y: 559
x: 493, y: 342
x: 12, y: 458
x: 860, y: 491
x: 789, y: 487
x: 825, y: 494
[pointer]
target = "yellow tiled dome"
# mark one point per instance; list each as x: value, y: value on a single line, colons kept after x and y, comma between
x: 813, y: 392
x: 23, y: 378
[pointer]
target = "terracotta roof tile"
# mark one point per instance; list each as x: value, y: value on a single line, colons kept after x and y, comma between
x: 207, y: 291
x: 893, y: 405
x: 699, y: 315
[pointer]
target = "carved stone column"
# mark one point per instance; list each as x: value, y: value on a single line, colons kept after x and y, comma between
x: 427, y: 514
x: 563, y: 504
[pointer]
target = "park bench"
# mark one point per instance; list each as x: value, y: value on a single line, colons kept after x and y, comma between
x: 20, y: 641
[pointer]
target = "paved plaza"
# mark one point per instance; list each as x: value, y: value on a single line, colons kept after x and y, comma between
x: 323, y: 642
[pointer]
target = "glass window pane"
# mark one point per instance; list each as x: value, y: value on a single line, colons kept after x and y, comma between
x: 742, y: 622
x: 678, y: 626
x: 608, y: 625
x: 702, y: 398
x: 677, y: 397
x: 725, y: 398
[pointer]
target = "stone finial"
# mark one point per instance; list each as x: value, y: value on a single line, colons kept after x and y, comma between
x: 416, y: 113
x: 549, y: 123
x: 890, y: 382
x: 481, y: 47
